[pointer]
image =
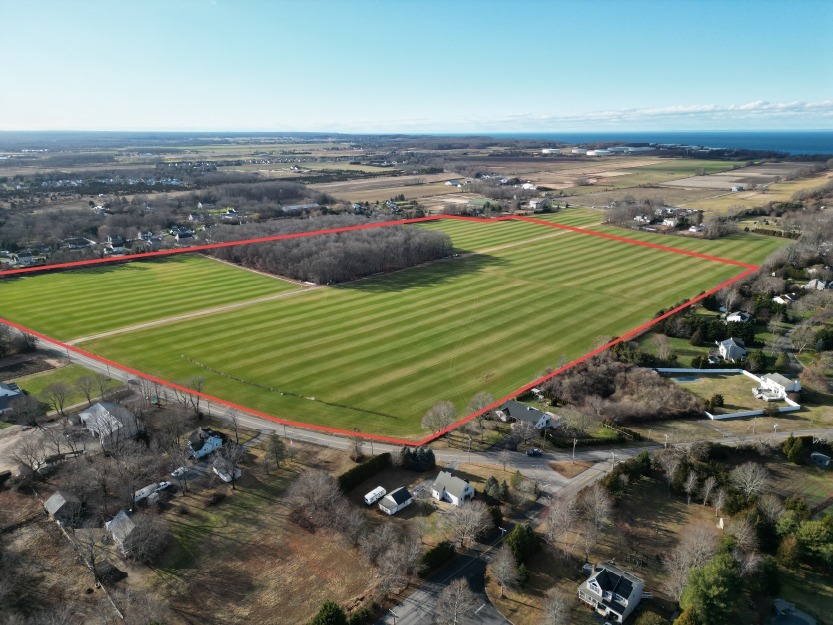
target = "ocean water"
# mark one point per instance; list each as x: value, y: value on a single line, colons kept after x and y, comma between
x: 793, y: 142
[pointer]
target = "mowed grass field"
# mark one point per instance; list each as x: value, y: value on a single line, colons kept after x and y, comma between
x: 377, y: 353
x: 68, y: 305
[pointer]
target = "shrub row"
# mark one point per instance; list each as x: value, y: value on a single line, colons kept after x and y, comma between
x: 358, y: 474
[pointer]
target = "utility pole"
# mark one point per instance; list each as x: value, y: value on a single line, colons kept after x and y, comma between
x: 754, y: 422
x: 775, y: 427
x: 575, y: 440
x: 666, y: 441
x: 469, y: 449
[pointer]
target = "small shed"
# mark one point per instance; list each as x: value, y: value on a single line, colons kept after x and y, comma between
x: 394, y: 501
x: 121, y: 527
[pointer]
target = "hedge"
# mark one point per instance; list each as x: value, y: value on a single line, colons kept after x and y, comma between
x: 358, y: 474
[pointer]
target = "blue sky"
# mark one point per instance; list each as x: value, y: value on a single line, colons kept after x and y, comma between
x: 416, y: 66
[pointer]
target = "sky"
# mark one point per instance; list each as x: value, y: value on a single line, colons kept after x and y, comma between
x: 416, y: 66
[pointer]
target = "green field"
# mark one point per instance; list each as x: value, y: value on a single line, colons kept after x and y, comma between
x: 67, y: 305
x: 376, y: 353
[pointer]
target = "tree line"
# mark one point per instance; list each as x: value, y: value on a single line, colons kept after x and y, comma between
x: 334, y: 258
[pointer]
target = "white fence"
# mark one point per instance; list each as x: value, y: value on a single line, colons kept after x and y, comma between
x: 790, y: 407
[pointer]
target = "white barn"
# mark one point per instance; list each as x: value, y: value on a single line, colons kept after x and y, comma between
x: 448, y: 487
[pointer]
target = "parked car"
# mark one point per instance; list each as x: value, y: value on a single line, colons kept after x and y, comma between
x: 533, y: 452
x: 163, y: 486
x: 179, y: 472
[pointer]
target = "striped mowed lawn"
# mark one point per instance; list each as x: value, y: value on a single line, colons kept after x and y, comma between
x: 377, y: 353
x: 77, y: 303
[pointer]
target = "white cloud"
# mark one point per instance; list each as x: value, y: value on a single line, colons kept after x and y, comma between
x: 756, y: 115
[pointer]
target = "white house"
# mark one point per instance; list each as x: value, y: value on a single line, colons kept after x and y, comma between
x: 516, y: 411
x: 786, y: 299
x: 643, y: 219
x: 205, y: 440
x: 670, y: 221
x: 8, y: 394
x: 731, y: 349
x: 739, y: 317
x: 537, y: 203
x: 395, y: 500
x: 110, y: 423
x: 777, y: 383
x: 528, y: 186
x: 816, y: 285
x: 448, y: 487
x: 697, y: 228
x: 612, y: 592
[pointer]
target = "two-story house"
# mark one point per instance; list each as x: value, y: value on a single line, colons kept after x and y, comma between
x: 612, y: 592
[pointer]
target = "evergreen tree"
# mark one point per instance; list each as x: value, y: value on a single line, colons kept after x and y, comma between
x: 782, y: 363
x: 697, y: 338
x: 712, y: 590
x: 330, y: 614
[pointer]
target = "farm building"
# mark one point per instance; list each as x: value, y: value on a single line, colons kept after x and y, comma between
x: 731, y: 349
x: 612, y: 592
x: 816, y: 285
x: 516, y: 411
x: 205, y: 440
x: 395, y: 500
x: 599, y: 152
x: 537, y: 203
x: 63, y: 506
x: 110, y: 423
x: 579, y: 151
x: 8, y: 394
x: 448, y: 487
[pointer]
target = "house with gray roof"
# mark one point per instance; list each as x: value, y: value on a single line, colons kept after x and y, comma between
x: 110, y: 423
x: 448, y: 487
x: 394, y: 501
x: 516, y: 411
x: 205, y: 440
x: 731, y: 349
x: 779, y: 384
x: 121, y: 527
x: 612, y: 592
x: 63, y: 506
x: 8, y: 394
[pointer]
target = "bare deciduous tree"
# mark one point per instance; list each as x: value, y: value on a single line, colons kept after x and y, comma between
x: 697, y: 545
x: 720, y: 500
x: 690, y: 486
x: 744, y: 533
x: 750, y: 478
x: 56, y: 395
x: 464, y: 523
x: 355, y: 447
x: 276, y: 449
x: 771, y: 507
x: 439, y: 416
x: 148, y: 540
x: 86, y: 384
x: 802, y: 337
x: 596, y: 504
x: 504, y: 569
x: 561, y: 518
x: 669, y: 460
x: 453, y: 602
x: 708, y: 486
x: 557, y: 609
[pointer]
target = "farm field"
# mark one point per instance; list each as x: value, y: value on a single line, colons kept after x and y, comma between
x: 66, y: 305
x: 377, y: 353
x: 776, y: 192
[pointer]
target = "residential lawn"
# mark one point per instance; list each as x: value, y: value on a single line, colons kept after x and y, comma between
x: 812, y: 483
x: 71, y: 304
x: 656, y: 520
x: 811, y: 591
x: 736, y: 389
x: 37, y: 383
x: 678, y: 430
x: 377, y: 353
x: 684, y: 350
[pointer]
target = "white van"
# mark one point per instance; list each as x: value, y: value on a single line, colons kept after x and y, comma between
x: 375, y: 495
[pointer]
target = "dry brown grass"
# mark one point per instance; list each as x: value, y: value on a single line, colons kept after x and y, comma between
x: 570, y: 469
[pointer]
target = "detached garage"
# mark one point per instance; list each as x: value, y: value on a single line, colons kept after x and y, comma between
x: 394, y: 501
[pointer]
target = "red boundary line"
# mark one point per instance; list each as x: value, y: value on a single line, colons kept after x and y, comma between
x: 376, y: 437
